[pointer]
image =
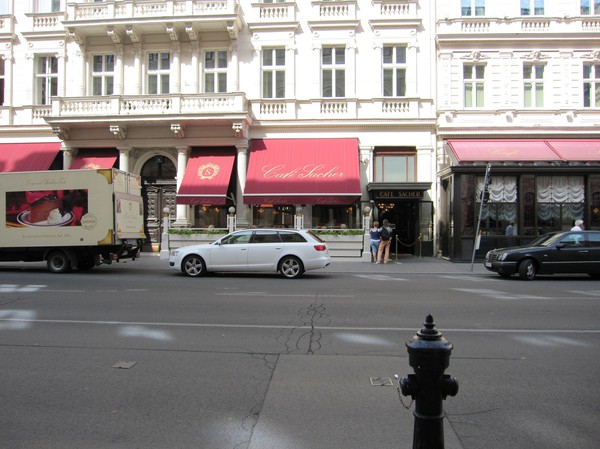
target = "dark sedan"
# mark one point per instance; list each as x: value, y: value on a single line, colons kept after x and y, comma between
x: 556, y: 252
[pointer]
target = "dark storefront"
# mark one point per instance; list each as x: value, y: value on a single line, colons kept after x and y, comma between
x: 536, y: 186
x: 409, y: 212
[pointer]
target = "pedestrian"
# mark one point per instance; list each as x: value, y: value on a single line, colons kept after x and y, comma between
x: 374, y: 233
x: 578, y: 226
x: 385, y: 235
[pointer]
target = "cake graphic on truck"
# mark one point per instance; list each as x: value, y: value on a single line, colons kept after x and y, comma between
x: 45, y: 208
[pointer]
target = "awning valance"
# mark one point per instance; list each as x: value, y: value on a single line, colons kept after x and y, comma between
x: 207, y: 177
x: 95, y: 159
x: 27, y: 156
x: 303, y: 171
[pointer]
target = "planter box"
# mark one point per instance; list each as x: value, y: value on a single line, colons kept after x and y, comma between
x: 344, y: 245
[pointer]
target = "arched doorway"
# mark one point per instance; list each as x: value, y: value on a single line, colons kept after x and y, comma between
x: 158, y: 189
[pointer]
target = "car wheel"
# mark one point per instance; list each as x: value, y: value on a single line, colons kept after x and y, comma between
x: 291, y: 267
x: 193, y: 266
x: 527, y: 270
x: 58, y: 262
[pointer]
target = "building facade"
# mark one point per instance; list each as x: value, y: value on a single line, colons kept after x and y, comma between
x: 323, y: 108
x: 517, y: 90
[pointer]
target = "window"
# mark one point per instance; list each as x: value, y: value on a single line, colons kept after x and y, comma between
x: 43, y: 6
x: 4, y: 7
x: 590, y: 7
x: 337, y: 217
x: 46, y: 77
x: 2, y: 84
x: 532, y: 7
x: 472, y: 8
x: 103, y: 67
x: 394, y: 71
x: 395, y: 166
x: 273, y: 73
x: 533, y: 85
x: 334, y: 72
x: 159, y: 65
x: 591, y: 85
x: 473, y: 76
x: 215, y: 71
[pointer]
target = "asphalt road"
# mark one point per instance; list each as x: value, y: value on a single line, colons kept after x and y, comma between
x: 138, y: 356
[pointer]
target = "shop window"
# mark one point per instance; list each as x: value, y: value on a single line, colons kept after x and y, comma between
x: 210, y: 217
x: 336, y: 217
x: 595, y: 202
x: 500, y: 214
x: 560, y: 201
x: 395, y: 166
x: 271, y: 216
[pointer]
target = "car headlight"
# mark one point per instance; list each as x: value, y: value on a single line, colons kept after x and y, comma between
x: 502, y: 256
x: 174, y: 253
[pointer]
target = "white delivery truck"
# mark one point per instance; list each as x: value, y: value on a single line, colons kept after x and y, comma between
x: 71, y: 218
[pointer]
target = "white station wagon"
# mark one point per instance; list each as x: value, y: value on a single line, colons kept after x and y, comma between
x: 290, y: 252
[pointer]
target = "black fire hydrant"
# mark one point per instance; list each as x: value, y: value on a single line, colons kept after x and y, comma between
x: 429, y: 355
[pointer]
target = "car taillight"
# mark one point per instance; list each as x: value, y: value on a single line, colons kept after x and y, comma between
x: 320, y: 247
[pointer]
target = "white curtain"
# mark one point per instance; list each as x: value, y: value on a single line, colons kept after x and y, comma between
x: 560, y: 189
x: 502, y: 189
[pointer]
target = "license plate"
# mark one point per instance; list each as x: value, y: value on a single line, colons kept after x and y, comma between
x: 488, y: 264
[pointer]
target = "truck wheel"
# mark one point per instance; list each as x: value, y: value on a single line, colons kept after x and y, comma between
x: 193, y: 266
x: 58, y: 262
x: 527, y: 270
x: 291, y: 267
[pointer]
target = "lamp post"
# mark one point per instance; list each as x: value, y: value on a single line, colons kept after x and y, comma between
x: 299, y: 218
x: 231, y: 219
x: 366, y: 253
x: 366, y: 218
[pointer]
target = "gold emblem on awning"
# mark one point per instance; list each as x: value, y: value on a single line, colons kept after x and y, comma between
x: 208, y: 171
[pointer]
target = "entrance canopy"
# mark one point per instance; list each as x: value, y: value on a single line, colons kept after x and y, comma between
x: 303, y: 171
x: 583, y: 150
x: 207, y: 177
x: 94, y: 159
x: 27, y: 156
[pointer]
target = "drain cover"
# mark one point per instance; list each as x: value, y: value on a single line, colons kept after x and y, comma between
x: 124, y: 365
x: 382, y: 382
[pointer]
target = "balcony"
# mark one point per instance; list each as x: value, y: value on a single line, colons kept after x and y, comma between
x: 137, y: 17
x: 517, y: 28
x: 331, y: 15
x: 377, y: 109
x: 142, y: 108
x: 395, y: 14
x: 272, y: 16
x: 7, y: 27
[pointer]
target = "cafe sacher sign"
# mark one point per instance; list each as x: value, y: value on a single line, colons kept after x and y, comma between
x: 399, y: 194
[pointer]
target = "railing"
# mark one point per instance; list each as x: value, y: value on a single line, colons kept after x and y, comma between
x: 453, y: 26
x: 149, y: 104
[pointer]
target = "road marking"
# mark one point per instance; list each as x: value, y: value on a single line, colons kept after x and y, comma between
x: 22, y: 319
x: 503, y: 296
x: 379, y: 277
x: 467, y: 278
x: 15, y: 288
x: 278, y: 295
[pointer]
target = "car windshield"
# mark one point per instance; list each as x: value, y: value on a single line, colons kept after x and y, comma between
x: 546, y: 239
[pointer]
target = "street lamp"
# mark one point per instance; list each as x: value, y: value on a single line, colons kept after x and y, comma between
x: 299, y: 218
x: 366, y: 218
x: 231, y: 219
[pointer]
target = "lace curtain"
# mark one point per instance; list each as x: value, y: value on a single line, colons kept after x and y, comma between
x: 560, y: 189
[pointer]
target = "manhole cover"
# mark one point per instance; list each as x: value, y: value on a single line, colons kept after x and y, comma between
x: 124, y: 365
x: 382, y: 382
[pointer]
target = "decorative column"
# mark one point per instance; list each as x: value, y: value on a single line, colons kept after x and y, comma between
x: 124, y: 158
x: 182, y: 218
x: 366, y: 254
x: 68, y: 155
x: 243, y: 220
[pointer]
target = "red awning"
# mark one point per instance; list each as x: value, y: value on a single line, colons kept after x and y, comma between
x: 94, y: 159
x: 207, y: 177
x: 303, y: 171
x: 472, y: 150
x: 583, y: 150
x: 27, y: 156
